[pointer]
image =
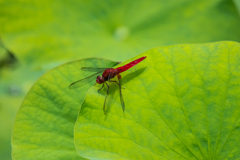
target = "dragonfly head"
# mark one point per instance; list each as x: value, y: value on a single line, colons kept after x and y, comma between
x: 100, y: 80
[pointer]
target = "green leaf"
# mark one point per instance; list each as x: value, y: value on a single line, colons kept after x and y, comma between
x: 8, y: 109
x: 15, y: 81
x: 237, y: 4
x: 182, y: 102
x: 3, y: 52
x: 43, y: 127
x: 59, y: 31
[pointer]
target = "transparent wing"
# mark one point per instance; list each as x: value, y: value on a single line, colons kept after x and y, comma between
x: 92, y: 69
x: 84, y: 81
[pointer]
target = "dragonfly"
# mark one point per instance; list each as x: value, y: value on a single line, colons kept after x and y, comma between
x: 107, y: 75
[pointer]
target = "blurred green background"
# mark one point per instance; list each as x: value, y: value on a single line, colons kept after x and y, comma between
x: 36, y: 36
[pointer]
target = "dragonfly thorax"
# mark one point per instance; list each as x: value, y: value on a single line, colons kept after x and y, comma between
x: 107, y: 75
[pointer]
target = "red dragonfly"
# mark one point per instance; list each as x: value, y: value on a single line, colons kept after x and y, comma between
x: 107, y: 75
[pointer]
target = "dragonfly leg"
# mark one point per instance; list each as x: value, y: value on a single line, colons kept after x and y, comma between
x: 118, y: 84
x: 121, y: 97
x: 120, y: 89
x: 119, y: 77
x: 105, y: 98
x: 101, y: 87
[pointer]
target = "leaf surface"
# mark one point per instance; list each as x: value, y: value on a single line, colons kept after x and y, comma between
x: 3, y: 52
x: 182, y: 102
x: 43, y: 128
x: 15, y: 81
x: 237, y: 4
x: 59, y: 31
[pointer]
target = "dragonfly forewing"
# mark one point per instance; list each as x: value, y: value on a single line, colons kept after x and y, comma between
x: 84, y: 81
x: 92, y: 69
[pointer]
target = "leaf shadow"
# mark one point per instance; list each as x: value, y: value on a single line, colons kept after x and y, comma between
x: 129, y: 77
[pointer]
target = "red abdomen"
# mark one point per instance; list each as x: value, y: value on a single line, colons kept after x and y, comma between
x: 130, y: 65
